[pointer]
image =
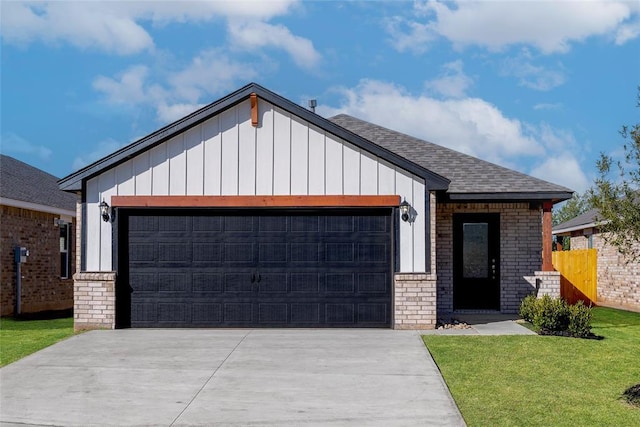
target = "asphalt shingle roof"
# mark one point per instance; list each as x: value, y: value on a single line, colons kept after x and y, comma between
x: 586, y: 219
x: 20, y: 181
x: 468, y: 175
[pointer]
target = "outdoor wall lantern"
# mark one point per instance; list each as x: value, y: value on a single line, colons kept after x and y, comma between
x: 105, y: 211
x: 405, y: 208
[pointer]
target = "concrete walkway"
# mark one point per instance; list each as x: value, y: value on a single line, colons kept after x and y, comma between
x: 485, y: 324
x: 229, y: 378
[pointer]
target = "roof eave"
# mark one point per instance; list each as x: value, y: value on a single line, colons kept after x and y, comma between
x: 552, y: 196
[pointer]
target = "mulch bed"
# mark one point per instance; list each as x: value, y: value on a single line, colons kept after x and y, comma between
x: 632, y: 394
x: 567, y: 334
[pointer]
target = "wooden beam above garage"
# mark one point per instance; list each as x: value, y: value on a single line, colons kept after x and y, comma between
x: 254, y: 201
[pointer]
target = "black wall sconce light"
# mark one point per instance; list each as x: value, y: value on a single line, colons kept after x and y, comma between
x: 105, y: 211
x: 405, y: 208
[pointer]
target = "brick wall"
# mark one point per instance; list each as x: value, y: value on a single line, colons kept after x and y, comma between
x: 618, y: 280
x: 415, y: 301
x: 42, y: 287
x: 520, y: 250
x: 94, y: 300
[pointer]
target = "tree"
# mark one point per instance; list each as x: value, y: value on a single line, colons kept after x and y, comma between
x: 576, y: 205
x: 617, y: 197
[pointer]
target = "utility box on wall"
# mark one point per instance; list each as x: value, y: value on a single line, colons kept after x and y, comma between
x: 21, y: 254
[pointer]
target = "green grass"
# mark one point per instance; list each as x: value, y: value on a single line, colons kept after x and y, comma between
x: 19, y: 338
x: 545, y: 380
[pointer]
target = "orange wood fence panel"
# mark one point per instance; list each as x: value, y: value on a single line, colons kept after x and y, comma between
x: 578, y: 274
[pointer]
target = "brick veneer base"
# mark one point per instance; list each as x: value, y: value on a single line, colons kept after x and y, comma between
x: 549, y: 283
x: 94, y: 300
x: 415, y: 301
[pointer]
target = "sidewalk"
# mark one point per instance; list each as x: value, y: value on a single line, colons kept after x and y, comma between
x: 484, y: 324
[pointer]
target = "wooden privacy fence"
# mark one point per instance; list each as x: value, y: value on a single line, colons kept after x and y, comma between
x: 578, y: 274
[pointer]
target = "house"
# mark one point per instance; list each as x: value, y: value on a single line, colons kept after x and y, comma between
x: 254, y: 211
x: 618, y: 279
x: 37, y: 216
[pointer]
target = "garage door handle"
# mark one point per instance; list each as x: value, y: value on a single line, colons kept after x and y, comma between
x: 253, y: 278
x: 259, y: 278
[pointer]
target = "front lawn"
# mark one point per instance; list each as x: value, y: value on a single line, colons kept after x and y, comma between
x: 545, y: 380
x: 19, y: 338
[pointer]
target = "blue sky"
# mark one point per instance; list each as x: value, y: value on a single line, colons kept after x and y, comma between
x: 538, y: 86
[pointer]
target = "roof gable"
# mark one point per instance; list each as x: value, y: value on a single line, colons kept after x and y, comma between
x: 471, y: 178
x: 26, y: 183
x: 74, y: 181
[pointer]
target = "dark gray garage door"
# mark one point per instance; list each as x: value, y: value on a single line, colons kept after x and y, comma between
x: 196, y: 269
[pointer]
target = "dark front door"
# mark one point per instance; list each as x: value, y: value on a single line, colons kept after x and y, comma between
x: 476, y: 261
x: 259, y: 268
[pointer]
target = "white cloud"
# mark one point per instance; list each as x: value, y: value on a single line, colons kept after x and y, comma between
x: 536, y: 77
x: 12, y: 143
x: 550, y: 26
x: 548, y: 106
x: 82, y: 24
x: 102, y: 149
x: 469, y: 125
x: 409, y: 35
x: 127, y: 88
x: 628, y: 32
x: 209, y: 74
x: 453, y: 82
x: 118, y: 26
x: 564, y: 169
x: 253, y: 35
x: 167, y: 113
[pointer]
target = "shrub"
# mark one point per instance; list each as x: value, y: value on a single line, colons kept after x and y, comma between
x: 554, y: 316
x: 579, y: 320
x: 528, y: 308
x: 551, y: 315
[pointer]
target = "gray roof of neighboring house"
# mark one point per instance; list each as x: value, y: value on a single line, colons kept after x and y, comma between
x: 20, y: 181
x: 586, y: 220
x: 469, y: 175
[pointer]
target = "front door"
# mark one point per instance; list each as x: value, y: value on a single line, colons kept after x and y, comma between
x: 476, y: 261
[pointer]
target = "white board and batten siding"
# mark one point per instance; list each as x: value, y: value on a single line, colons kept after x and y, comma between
x: 226, y: 155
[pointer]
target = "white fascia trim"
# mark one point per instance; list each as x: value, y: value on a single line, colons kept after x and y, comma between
x: 36, y: 207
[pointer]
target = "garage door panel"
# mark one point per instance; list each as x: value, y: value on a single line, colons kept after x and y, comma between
x: 273, y: 313
x: 271, y: 283
x: 340, y: 313
x: 307, y: 283
x: 306, y: 253
x: 373, y: 283
x: 373, y: 253
x: 207, y: 282
x: 373, y: 313
x: 339, y: 253
x: 172, y: 312
x: 238, y: 313
x: 238, y: 283
x: 339, y: 283
x: 260, y: 269
x: 206, y: 313
x: 239, y: 253
x: 272, y: 252
x: 207, y: 252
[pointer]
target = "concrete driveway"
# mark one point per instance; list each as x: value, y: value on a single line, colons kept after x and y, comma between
x: 229, y: 377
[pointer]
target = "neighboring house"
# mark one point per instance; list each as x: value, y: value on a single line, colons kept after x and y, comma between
x: 36, y: 215
x: 618, y: 279
x: 254, y: 211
